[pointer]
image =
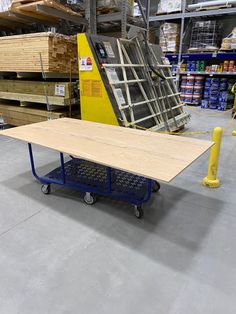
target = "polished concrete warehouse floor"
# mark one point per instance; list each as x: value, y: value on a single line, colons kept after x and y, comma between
x: 60, y: 256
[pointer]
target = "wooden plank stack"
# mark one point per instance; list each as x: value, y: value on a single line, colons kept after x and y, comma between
x: 22, y: 53
x: 28, y: 56
x: 17, y: 116
x: 58, y: 93
x: 29, y: 9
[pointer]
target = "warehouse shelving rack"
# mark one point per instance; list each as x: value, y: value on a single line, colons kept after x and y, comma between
x: 184, y: 16
x: 122, y: 17
x: 220, y: 56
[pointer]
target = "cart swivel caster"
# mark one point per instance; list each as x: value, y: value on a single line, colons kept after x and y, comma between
x: 138, y: 211
x: 89, y: 198
x: 156, y: 186
x: 46, y: 188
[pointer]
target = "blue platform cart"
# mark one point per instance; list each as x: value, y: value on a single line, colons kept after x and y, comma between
x: 95, y: 179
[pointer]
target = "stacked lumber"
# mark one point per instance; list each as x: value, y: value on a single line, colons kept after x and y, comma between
x: 23, y: 53
x: 58, y: 93
x: 29, y: 8
x: 17, y: 116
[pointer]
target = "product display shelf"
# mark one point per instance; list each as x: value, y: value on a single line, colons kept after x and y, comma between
x: 201, y: 56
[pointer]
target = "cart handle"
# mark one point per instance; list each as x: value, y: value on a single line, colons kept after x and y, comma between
x: 44, y: 179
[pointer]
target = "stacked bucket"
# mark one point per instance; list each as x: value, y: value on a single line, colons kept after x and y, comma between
x: 191, y: 89
x: 215, y: 93
x: 195, y: 66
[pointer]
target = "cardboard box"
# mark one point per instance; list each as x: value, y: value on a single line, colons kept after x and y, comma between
x: 168, y: 6
x: 116, y: 5
x: 229, y: 43
x: 169, y: 37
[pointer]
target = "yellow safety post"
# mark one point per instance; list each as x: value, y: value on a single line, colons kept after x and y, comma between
x: 234, y: 115
x: 211, y: 179
x: 234, y: 108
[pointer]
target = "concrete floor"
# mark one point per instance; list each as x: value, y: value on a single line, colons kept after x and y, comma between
x: 58, y: 255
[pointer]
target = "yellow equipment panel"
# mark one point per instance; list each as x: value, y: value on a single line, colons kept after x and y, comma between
x: 94, y: 100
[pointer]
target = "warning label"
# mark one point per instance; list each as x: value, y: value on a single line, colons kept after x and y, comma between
x: 91, y: 88
x: 85, y: 64
x: 109, y: 49
x: 96, y: 89
x: 86, y: 88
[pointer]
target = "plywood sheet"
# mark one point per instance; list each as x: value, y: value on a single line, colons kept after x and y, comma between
x: 152, y: 155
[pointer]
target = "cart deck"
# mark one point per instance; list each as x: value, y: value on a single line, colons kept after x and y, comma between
x: 95, y: 179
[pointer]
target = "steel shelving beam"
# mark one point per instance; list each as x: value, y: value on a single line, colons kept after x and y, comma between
x: 208, y: 73
x: 166, y: 17
x: 62, y: 15
x: 110, y: 17
x: 211, y: 12
x: 176, y: 16
x: 202, y: 56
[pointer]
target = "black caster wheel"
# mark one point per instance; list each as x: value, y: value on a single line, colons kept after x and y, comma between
x: 89, y: 198
x: 46, y: 188
x: 138, y: 211
x: 156, y: 187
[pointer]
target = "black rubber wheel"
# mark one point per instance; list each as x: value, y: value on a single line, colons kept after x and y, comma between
x: 138, y: 211
x: 156, y: 187
x: 89, y: 199
x: 46, y: 188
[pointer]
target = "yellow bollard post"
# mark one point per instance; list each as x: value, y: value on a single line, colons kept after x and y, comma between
x: 234, y: 132
x: 211, y: 179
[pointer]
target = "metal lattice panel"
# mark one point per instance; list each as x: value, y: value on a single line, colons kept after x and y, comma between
x: 143, y: 88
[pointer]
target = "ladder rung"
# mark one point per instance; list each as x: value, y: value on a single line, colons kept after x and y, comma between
x: 128, y: 82
x: 163, y: 65
x: 144, y: 119
x: 139, y: 103
x: 169, y: 96
x: 105, y: 65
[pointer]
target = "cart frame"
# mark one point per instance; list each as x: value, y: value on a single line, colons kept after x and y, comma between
x: 89, y: 198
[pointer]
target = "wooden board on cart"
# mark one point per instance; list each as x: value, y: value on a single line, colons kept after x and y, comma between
x: 156, y: 156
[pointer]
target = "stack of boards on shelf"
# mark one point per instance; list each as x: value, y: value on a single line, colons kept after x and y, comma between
x: 53, y: 93
x: 28, y: 57
x: 26, y: 10
x: 39, y: 52
x: 16, y: 115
